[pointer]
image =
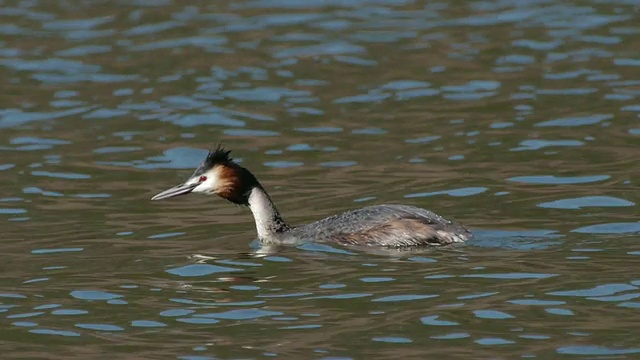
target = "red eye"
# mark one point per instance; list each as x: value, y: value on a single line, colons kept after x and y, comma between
x: 202, y: 178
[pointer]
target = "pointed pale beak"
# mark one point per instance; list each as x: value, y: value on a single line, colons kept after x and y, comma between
x: 181, y: 189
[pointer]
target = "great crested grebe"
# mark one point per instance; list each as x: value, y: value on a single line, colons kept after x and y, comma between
x: 395, y: 226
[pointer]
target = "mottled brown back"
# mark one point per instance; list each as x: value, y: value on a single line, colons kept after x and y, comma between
x: 396, y: 233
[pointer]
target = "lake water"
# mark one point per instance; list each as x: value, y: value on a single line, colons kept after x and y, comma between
x: 518, y: 119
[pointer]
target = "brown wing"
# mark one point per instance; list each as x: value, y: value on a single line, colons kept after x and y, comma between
x: 403, y: 232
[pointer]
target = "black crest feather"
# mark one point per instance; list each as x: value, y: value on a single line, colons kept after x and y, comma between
x: 217, y: 156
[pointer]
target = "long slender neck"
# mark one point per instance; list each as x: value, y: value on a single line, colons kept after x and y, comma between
x: 269, y: 223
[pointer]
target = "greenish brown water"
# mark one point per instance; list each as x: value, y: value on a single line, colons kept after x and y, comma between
x: 520, y: 120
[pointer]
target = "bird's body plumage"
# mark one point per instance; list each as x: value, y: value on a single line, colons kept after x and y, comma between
x: 386, y: 225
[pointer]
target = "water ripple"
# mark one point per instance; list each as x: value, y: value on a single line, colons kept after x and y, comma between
x: 587, y: 201
x: 559, y: 180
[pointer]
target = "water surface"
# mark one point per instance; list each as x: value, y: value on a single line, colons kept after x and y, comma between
x: 519, y: 120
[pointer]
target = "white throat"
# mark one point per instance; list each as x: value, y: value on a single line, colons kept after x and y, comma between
x: 269, y: 223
